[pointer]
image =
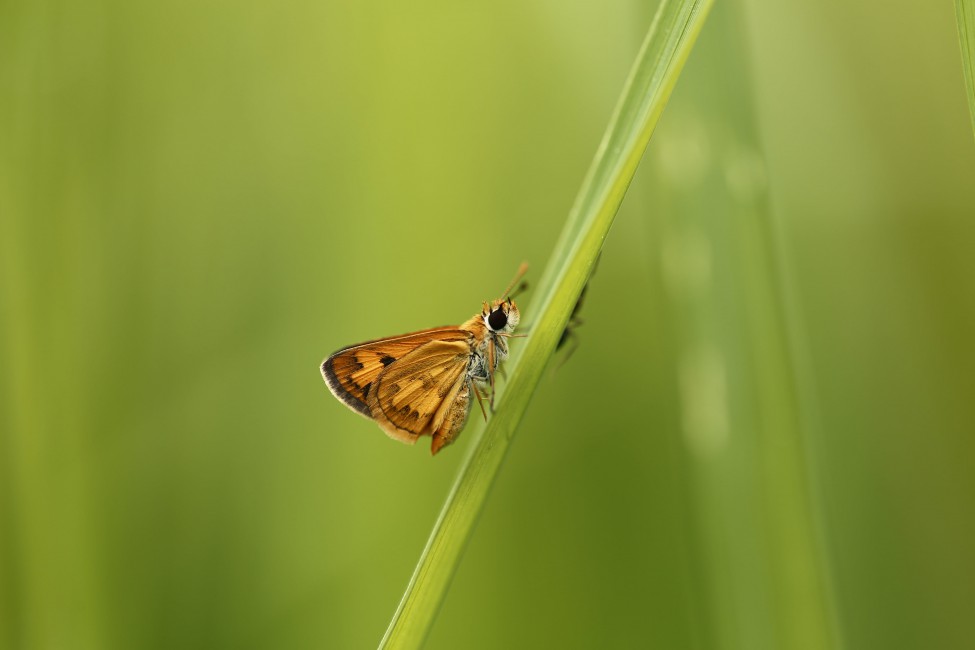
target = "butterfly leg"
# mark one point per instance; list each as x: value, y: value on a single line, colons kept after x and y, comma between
x: 480, y: 400
x: 492, y: 367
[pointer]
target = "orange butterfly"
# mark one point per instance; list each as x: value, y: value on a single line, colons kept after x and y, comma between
x: 421, y: 383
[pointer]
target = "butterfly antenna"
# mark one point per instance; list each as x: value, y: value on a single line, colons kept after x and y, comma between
x: 518, y: 276
x: 522, y: 286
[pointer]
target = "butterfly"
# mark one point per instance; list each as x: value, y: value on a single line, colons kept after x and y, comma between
x: 421, y: 384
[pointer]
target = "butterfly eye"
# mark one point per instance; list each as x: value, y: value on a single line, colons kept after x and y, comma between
x: 497, y: 319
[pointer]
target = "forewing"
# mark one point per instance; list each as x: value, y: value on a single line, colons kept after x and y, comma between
x: 411, y: 392
x: 352, y: 372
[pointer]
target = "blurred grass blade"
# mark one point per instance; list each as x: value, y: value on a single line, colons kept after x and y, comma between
x: 965, y: 12
x: 746, y: 406
x: 654, y: 74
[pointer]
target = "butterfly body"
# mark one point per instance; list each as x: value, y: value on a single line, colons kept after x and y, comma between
x: 421, y: 383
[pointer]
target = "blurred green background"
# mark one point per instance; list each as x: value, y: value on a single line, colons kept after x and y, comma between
x: 201, y: 200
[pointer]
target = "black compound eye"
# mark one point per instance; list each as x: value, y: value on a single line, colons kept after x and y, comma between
x: 497, y: 319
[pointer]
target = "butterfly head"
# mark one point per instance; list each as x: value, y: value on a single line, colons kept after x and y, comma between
x: 501, y: 316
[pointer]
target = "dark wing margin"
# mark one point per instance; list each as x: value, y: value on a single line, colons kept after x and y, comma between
x: 354, y: 396
x: 351, y: 373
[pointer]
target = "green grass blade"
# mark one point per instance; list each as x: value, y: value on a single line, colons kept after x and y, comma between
x: 965, y: 12
x: 746, y: 395
x: 654, y: 74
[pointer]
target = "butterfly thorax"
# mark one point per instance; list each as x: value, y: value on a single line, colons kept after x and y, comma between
x: 489, y: 330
